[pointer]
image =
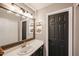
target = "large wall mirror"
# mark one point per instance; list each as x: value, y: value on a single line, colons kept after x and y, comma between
x: 15, y: 28
x: 8, y: 27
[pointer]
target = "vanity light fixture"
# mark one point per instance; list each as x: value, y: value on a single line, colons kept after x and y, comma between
x: 18, y: 10
x: 28, y: 14
x: 22, y: 11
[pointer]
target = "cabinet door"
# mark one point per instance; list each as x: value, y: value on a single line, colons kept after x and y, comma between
x: 39, y: 52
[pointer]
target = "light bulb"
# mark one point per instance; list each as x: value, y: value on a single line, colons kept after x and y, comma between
x: 20, y: 12
x: 31, y: 16
x: 12, y: 8
x: 28, y: 15
x: 9, y: 11
x: 23, y: 17
x: 17, y: 14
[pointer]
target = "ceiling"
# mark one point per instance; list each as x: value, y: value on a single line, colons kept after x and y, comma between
x: 37, y: 6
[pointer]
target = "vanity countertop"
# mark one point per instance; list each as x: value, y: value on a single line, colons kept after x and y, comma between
x: 33, y: 44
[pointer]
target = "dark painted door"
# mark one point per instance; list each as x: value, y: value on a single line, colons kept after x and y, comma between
x: 23, y: 30
x: 58, y: 34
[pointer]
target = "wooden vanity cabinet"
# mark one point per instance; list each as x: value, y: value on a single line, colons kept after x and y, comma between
x: 39, y: 52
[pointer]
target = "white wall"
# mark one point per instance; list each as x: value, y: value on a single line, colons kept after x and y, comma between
x: 41, y: 14
x: 8, y: 28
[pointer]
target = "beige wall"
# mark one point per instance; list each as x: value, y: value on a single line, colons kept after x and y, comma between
x: 76, y: 31
x: 42, y: 15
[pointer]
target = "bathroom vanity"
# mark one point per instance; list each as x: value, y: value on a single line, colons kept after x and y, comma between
x: 32, y: 48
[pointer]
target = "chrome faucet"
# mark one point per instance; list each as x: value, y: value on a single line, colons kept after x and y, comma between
x: 23, y: 44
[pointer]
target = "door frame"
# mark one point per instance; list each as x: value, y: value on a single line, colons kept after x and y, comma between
x: 21, y: 29
x: 70, y: 29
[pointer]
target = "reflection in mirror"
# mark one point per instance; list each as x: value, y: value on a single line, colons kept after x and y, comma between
x: 26, y: 29
x: 8, y: 27
x: 14, y: 28
x: 30, y: 28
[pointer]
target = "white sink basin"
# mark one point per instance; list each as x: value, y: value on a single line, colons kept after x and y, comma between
x: 25, y: 50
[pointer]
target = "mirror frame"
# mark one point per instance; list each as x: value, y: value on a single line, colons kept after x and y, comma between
x: 5, y: 47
